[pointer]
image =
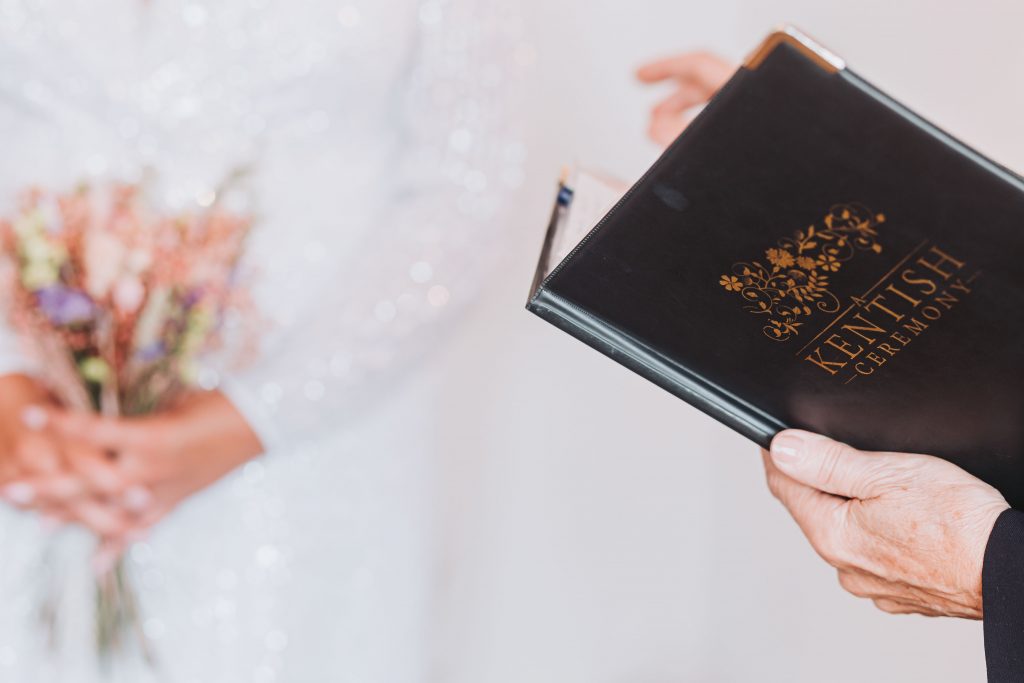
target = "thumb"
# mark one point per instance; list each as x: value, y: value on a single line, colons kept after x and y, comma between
x: 828, y: 465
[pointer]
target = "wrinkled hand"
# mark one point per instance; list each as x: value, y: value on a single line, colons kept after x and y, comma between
x: 697, y: 76
x: 906, y: 531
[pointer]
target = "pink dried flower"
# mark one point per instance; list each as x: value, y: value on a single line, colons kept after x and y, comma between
x: 98, y: 273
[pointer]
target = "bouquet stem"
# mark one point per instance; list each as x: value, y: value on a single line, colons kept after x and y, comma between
x: 118, y: 619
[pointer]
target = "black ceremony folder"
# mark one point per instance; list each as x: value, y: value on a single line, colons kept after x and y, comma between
x: 809, y: 253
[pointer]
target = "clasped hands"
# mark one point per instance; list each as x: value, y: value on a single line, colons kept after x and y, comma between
x: 116, y: 477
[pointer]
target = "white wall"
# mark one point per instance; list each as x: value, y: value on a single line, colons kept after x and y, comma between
x: 600, y: 530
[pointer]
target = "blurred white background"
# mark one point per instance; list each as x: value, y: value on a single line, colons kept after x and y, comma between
x: 600, y: 530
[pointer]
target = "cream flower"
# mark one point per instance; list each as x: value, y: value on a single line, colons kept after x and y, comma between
x: 103, y: 257
x: 129, y: 294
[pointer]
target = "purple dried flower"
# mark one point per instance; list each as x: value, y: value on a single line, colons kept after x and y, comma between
x: 152, y: 352
x: 192, y: 297
x: 64, y: 305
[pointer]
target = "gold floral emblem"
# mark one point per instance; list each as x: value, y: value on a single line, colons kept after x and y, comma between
x: 793, y: 280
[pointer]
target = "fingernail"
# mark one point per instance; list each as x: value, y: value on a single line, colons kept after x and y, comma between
x: 787, y: 449
x: 19, y: 493
x: 34, y: 418
x: 102, y: 562
x: 137, y: 498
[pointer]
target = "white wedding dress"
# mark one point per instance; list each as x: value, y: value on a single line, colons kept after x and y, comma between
x: 378, y: 139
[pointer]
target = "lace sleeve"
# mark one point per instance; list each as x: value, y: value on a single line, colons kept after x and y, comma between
x: 461, y: 160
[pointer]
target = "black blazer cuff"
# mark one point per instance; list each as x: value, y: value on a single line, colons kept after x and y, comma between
x: 1002, y: 584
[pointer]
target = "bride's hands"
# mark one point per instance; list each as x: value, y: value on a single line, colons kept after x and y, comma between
x: 697, y: 76
x: 21, y: 450
x: 162, y: 459
x: 35, y: 471
x: 117, y: 477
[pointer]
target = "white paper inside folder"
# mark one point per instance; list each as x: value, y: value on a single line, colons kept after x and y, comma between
x: 585, y: 198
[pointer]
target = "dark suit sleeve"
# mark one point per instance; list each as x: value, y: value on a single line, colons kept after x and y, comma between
x: 1002, y: 582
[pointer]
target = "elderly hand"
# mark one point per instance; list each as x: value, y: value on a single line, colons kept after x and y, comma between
x: 906, y: 531
x: 697, y: 76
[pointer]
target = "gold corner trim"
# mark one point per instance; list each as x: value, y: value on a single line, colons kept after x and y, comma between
x: 810, y: 48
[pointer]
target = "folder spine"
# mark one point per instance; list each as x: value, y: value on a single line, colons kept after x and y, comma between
x: 653, y: 366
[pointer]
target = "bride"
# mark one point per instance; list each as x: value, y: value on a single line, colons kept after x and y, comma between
x: 278, y: 525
